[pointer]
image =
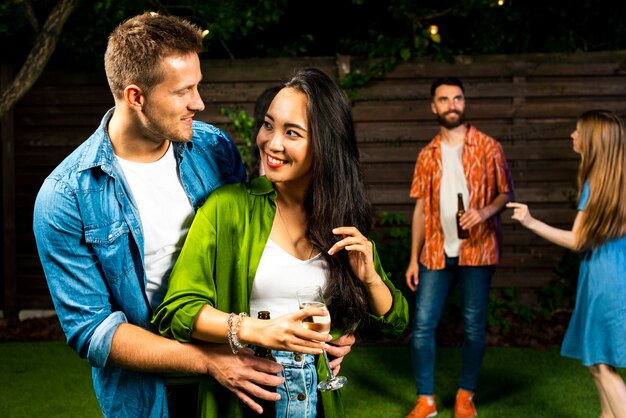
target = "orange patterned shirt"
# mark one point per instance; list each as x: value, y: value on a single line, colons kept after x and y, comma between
x: 487, y: 174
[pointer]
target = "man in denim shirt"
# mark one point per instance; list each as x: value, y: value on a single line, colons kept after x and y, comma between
x: 110, y: 220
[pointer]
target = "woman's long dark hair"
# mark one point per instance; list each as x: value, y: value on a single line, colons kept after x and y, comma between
x: 337, y: 195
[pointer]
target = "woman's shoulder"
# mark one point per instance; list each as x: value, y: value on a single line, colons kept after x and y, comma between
x: 234, y: 194
x: 229, y: 189
x: 227, y: 196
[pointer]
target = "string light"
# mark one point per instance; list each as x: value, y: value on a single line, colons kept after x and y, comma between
x: 433, y: 29
x: 500, y: 2
x: 205, y: 33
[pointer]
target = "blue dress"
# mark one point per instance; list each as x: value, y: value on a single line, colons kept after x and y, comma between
x: 597, y: 329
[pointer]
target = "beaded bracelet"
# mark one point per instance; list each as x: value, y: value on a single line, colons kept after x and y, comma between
x: 234, y: 324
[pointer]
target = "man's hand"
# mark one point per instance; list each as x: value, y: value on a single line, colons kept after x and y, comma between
x: 135, y: 348
x: 243, y: 374
x: 412, y: 275
x: 338, y: 349
x: 471, y: 218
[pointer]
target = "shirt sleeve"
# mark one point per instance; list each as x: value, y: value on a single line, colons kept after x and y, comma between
x: 584, y: 196
x: 233, y: 160
x: 394, y: 322
x: 76, y: 283
x: 504, y: 179
x: 419, y: 183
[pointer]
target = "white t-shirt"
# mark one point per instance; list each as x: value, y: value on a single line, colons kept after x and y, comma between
x: 165, y: 213
x: 279, y: 276
x: 452, y: 182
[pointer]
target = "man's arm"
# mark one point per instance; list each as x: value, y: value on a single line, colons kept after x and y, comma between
x: 243, y: 374
x: 102, y: 335
x: 473, y: 217
x: 499, y: 169
x: 564, y: 238
x: 417, y: 242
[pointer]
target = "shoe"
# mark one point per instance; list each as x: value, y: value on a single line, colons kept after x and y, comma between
x: 464, y: 405
x: 425, y: 407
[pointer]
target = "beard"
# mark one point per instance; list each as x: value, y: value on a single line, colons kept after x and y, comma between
x: 451, y: 124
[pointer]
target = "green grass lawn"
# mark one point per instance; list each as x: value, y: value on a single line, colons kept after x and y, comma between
x: 48, y: 380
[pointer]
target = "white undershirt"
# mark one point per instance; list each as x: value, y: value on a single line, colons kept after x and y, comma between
x: 165, y: 213
x: 452, y: 182
x: 278, y: 278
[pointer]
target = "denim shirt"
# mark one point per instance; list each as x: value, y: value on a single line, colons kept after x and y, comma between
x: 90, y: 242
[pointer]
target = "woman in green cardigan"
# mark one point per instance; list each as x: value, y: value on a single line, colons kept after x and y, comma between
x: 252, y: 246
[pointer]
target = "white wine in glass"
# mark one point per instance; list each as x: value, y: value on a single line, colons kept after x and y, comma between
x: 312, y: 297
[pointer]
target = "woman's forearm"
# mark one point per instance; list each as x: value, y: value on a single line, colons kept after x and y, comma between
x: 561, y: 237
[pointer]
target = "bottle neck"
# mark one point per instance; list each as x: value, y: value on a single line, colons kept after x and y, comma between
x: 460, y: 202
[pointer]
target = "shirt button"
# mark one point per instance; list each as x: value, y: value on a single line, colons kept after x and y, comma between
x: 298, y: 357
x: 301, y: 396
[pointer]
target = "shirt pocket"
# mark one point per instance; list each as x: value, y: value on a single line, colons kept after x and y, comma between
x: 111, y: 244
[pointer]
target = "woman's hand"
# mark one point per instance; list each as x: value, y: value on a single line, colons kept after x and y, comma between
x: 521, y: 213
x: 285, y: 332
x: 563, y: 237
x: 361, y: 259
x: 360, y: 254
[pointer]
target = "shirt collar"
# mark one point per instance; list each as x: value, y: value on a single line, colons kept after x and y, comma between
x: 262, y: 186
x: 470, y: 138
x: 99, y: 151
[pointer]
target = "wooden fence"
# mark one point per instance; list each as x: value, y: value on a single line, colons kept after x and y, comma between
x: 530, y: 103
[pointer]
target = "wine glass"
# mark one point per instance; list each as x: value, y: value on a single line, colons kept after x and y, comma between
x: 312, y: 296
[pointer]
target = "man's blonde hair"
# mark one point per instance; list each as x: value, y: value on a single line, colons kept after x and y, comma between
x: 136, y: 48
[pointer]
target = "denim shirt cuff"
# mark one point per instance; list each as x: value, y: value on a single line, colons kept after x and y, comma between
x: 100, y: 345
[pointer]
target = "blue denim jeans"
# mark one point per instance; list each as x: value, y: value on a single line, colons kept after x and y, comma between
x: 298, y: 395
x: 430, y: 297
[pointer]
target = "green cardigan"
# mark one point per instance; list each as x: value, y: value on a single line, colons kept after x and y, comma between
x: 217, y: 265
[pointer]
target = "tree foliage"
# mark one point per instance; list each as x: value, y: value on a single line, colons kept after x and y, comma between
x: 393, y: 30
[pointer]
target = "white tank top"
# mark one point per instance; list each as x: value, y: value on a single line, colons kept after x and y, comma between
x: 278, y: 278
x: 165, y: 213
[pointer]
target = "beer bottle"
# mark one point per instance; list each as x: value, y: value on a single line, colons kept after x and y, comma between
x: 269, y: 407
x: 462, y: 233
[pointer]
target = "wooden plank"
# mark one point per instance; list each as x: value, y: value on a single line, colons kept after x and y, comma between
x: 553, y: 150
x: 238, y: 92
x: 399, y: 132
x: 273, y: 70
x: 72, y: 95
x: 486, y: 88
x: 463, y: 66
x: 385, y: 194
x: 534, y: 279
x: 61, y: 77
x: 558, y: 215
x: 402, y: 172
x: 394, y: 111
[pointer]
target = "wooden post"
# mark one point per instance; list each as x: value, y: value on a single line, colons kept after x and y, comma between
x: 7, y: 136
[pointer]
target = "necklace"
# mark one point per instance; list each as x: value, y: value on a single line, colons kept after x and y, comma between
x: 293, y: 242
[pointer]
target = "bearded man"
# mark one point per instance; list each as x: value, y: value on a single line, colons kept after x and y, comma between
x: 459, y: 164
